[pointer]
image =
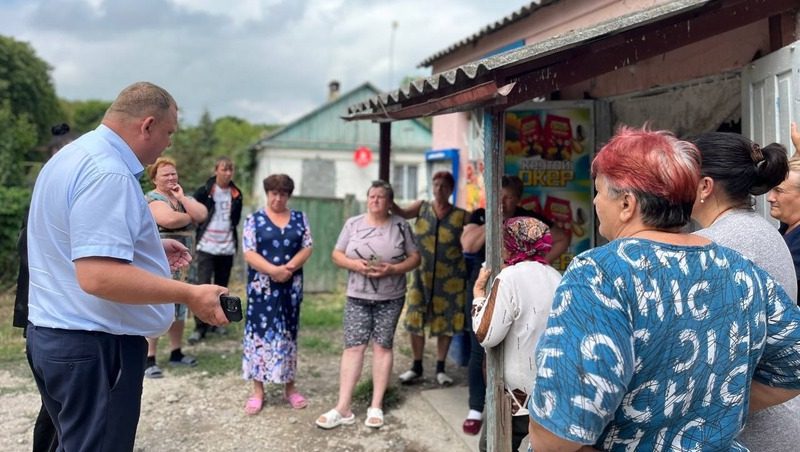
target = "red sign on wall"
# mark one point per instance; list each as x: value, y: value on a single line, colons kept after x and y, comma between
x: 362, y: 156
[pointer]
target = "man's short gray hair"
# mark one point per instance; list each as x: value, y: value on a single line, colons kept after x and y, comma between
x: 142, y: 99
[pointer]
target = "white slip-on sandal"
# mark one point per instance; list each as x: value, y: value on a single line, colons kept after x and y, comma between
x: 153, y: 372
x: 408, y: 377
x: 333, y: 419
x: 443, y: 379
x: 374, y: 418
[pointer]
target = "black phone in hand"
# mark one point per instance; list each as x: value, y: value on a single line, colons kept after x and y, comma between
x: 232, y: 307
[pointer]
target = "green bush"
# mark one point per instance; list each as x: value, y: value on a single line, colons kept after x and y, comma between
x: 13, y: 207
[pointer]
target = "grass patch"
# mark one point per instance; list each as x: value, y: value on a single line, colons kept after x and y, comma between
x: 213, y: 359
x: 322, y: 310
x: 363, y: 394
x: 216, y: 354
x: 317, y: 344
x: 19, y: 389
x: 12, y: 344
x: 320, y: 322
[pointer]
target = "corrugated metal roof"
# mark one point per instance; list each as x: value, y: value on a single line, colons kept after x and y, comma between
x: 322, y: 128
x: 471, y: 74
x: 512, y: 18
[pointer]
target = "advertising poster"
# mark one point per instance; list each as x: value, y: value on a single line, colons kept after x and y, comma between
x: 474, y: 188
x: 550, y: 149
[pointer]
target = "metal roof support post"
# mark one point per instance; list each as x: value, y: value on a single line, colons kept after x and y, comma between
x: 498, y: 415
x: 385, y: 151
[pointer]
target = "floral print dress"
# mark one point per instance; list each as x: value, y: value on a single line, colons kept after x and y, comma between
x: 273, y: 308
x: 437, y: 287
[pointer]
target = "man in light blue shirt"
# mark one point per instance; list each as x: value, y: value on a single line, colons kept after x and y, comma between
x: 100, y: 276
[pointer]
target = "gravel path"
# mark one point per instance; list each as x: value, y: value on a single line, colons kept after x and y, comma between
x: 194, y: 411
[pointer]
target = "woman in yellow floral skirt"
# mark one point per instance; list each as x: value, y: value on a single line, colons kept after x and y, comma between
x: 437, y: 289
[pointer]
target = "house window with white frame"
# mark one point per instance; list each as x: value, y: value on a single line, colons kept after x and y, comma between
x: 404, y: 181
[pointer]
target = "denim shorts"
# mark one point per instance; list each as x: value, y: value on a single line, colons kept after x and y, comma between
x: 181, y: 312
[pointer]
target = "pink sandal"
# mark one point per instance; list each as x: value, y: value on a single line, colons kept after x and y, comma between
x: 297, y: 401
x: 253, y: 405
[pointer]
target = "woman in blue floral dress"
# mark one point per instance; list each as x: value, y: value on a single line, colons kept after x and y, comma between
x: 276, y: 243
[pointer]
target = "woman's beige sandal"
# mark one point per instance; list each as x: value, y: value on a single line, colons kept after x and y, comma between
x: 333, y: 419
x: 374, y: 418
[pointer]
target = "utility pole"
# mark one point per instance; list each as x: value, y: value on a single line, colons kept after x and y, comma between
x: 391, y: 55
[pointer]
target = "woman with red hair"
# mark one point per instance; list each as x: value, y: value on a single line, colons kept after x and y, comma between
x: 659, y: 340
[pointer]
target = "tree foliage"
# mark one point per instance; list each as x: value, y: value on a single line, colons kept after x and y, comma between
x: 195, y: 149
x: 235, y: 139
x: 13, y: 206
x: 17, y: 136
x: 28, y: 108
x: 26, y: 85
x: 84, y: 115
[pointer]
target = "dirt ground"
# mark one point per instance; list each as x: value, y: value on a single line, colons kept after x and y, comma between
x: 194, y: 411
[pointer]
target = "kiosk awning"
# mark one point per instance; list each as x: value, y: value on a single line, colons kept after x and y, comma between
x: 541, y: 68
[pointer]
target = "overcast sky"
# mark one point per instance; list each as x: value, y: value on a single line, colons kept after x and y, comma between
x: 268, y: 61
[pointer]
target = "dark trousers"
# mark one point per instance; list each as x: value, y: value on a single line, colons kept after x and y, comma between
x: 45, y: 437
x: 477, y: 355
x: 212, y: 269
x: 91, y: 385
x: 519, y: 430
x: 475, y: 376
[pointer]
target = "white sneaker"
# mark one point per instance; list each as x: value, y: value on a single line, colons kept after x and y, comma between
x: 408, y: 376
x: 444, y: 379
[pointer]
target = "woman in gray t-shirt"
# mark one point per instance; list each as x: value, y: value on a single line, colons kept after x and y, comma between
x: 733, y: 170
x: 377, y: 249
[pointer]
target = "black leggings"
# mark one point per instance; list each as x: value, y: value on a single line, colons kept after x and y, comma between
x: 477, y: 382
x: 212, y: 268
x: 477, y: 355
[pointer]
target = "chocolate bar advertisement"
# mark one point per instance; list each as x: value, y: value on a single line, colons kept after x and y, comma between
x: 550, y: 149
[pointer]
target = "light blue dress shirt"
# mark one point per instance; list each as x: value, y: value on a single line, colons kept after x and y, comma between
x: 87, y: 202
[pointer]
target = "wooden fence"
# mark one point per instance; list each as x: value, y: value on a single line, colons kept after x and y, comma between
x: 326, y: 217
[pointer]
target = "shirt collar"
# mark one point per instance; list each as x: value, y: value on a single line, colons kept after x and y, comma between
x: 125, y: 151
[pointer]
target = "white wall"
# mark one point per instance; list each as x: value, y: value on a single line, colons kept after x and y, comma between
x: 350, y: 178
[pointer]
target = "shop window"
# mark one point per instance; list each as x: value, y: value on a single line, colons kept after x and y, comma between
x: 404, y: 182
